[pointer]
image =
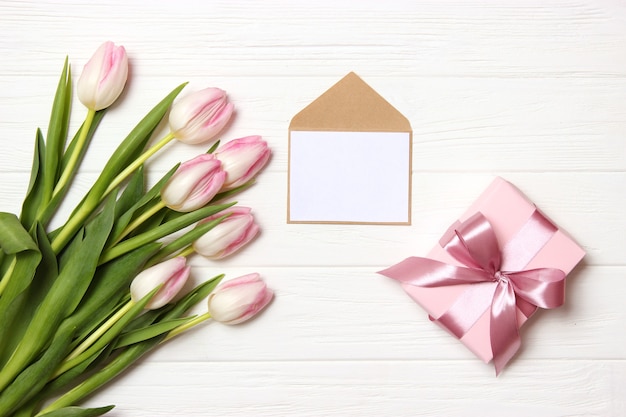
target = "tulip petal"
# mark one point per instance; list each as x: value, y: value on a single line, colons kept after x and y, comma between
x: 228, y: 236
x: 194, y: 184
x: 239, y: 300
x: 171, y: 274
x: 242, y: 159
x: 103, y: 77
x: 199, y: 117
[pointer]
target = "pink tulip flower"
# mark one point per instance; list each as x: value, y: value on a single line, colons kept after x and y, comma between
x: 228, y: 236
x: 200, y: 116
x: 240, y: 299
x: 172, y: 274
x: 194, y: 184
x: 103, y: 77
x: 242, y: 159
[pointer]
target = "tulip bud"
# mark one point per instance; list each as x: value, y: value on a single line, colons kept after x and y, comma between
x: 194, y: 184
x: 103, y: 77
x: 239, y: 299
x: 242, y: 159
x: 200, y: 116
x: 172, y: 274
x: 228, y: 236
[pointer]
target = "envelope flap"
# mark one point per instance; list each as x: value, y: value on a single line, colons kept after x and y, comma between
x: 350, y: 106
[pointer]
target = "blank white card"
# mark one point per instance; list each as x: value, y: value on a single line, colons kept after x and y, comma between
x: 349, y: 177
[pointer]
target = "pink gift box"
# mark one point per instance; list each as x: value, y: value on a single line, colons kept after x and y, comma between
x: 508, y: 210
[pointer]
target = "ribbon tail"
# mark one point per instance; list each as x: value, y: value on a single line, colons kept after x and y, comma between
x: 425, y: 272
x: 504, y: 328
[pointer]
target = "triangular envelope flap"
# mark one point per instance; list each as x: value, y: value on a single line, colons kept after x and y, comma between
x: 350, y: 106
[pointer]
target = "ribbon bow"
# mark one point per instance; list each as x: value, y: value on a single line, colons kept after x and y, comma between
x: 474, y: 244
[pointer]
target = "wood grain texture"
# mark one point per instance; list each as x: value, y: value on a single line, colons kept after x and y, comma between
x: 504, y: 125
x: 372, y: 388
x: 534, y: 91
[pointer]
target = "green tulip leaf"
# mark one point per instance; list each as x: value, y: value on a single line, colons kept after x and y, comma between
x: 133, y: 192
x: 57, y: 132
x: 32, y: 201
x: 145, y: 333
x: 20, y: 311
x: 78, y: 412
x: 71, y: 284
x: 23, y: 258
x: 213, y: 147
x: 34, y: 377
x: 229, y: 193
x: 13, y: 237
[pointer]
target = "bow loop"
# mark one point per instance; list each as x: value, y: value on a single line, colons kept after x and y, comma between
x: 473, y: 243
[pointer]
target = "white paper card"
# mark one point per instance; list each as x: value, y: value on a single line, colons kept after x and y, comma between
x: 360, y: 177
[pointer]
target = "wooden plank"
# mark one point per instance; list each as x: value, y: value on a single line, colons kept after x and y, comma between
x: 459, y: 125
x: 535, y: 38
x: 390, y: 388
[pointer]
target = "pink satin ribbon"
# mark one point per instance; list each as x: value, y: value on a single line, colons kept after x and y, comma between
x: 494, y: 284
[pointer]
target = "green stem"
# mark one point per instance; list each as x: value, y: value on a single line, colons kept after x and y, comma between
x: 187, y: 251
x: 87, y: 343
x: 107, y: 332
x: 73, y: 224
x: 101, y: 330
x: 138, y: 162
x: 80, y: 143
x: 139, y: 220
x: 183, y: 328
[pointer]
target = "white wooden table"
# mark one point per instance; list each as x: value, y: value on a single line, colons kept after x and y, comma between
x: 534, y: 91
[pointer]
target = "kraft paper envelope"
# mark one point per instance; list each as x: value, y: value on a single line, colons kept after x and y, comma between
x: 349, y: 159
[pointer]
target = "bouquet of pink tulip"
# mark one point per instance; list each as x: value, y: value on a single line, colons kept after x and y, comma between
x: 82, y: 302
